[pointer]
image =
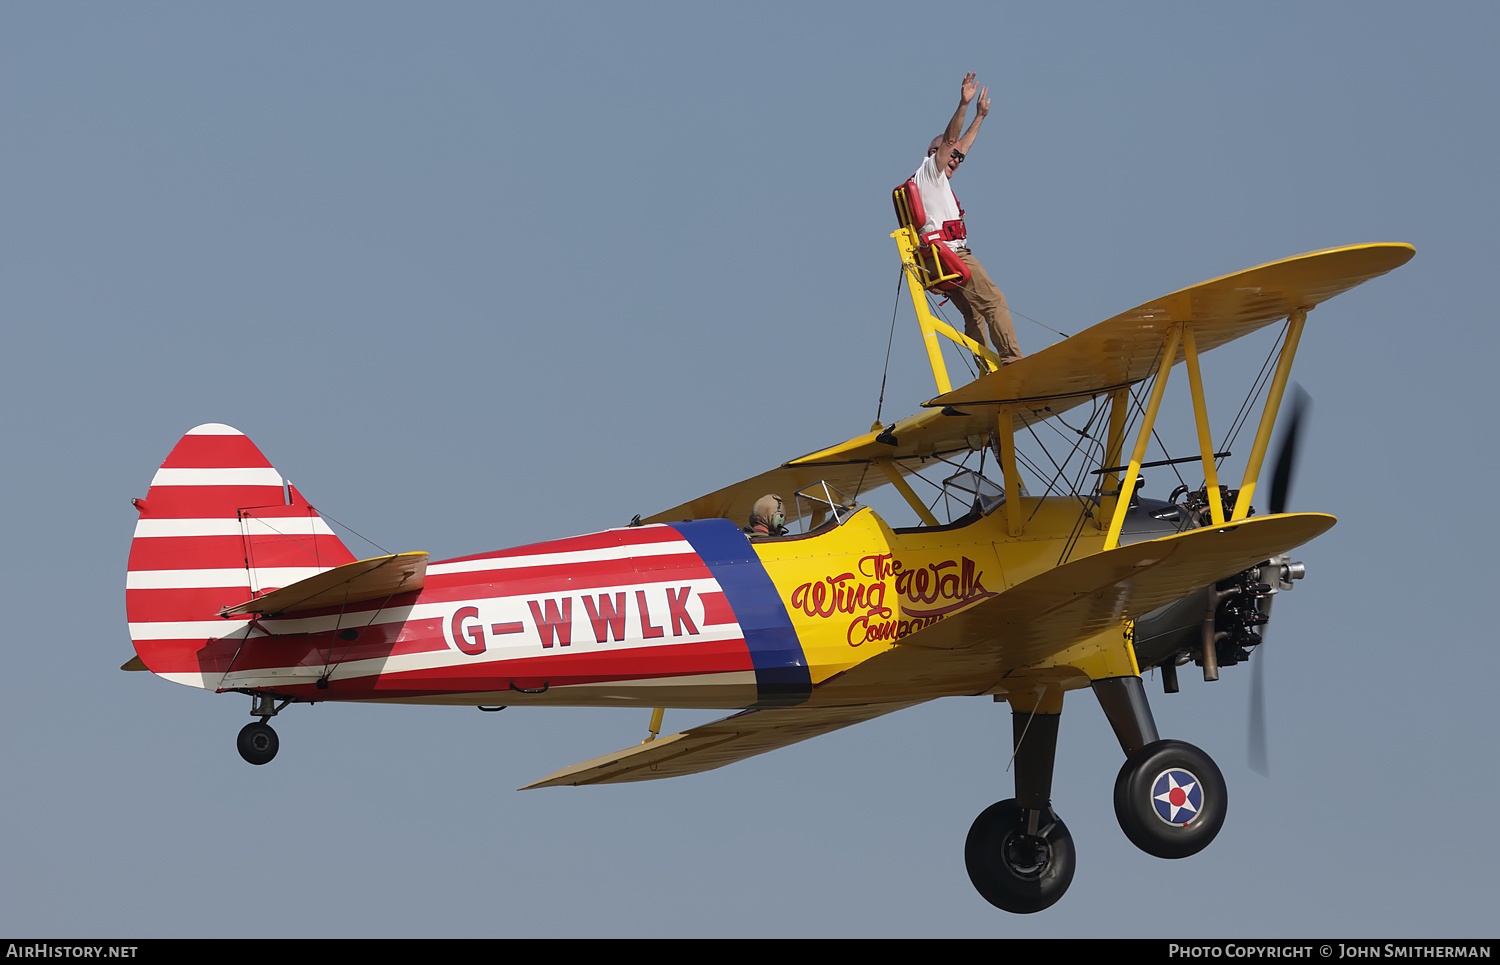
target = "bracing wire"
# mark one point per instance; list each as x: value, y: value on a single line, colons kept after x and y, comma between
x: 1262, y: 378
x: 895, y: 309
x: 357, y: 533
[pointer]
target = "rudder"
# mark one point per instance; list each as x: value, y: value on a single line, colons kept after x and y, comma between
x: 218, y: 526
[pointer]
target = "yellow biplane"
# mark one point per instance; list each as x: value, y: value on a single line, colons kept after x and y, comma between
x: 237, y: 585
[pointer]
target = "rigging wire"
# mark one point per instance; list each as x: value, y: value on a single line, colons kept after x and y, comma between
x: 1042, y: 324
x: 1261, y: 380
x: 330, y: 665
x: 1093, y: 449
x: 1162, y: 445
x: 918, y: 475
x: 1061, y: 470
x: 267, y: 521
x: 1091, y: 501
x: 357, y: 533
x: 859, y: 487
x: 895, y: 309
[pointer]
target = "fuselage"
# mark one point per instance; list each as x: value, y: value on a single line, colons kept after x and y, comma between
x: 692, y: 614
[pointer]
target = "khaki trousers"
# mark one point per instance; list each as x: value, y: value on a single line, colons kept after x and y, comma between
x: 980, y: 301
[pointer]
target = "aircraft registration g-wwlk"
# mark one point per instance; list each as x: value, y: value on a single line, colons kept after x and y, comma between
x: 236, y: 584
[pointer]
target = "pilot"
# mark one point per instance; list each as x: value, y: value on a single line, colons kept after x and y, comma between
x: 767, y: 518
x: 980, y: 301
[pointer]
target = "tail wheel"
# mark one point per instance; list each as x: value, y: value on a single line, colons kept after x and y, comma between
x: 1170, y: 799
x: 258, y: 743
x: 1016, y: 871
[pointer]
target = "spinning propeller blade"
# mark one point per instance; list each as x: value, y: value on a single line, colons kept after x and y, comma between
x: 1281, y: 487
x: 1281, y: 479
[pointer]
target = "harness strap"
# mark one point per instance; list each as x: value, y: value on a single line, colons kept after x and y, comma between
x: 950, y: 231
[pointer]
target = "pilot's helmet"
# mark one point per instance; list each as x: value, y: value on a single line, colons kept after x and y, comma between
x: 767, y: 516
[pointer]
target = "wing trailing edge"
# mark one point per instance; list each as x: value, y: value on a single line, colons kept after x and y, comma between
x: 716, y: 744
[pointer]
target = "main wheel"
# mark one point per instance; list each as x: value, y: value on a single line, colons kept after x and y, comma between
x: 1170, y: 799
x: 1016, y: 871
x: 257, y: 742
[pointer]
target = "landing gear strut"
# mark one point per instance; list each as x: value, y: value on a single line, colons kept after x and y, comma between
x: 1019, y: 853
x: 1170, y: 797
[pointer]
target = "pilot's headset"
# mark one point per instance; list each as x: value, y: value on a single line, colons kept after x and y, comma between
x: 768, y: 512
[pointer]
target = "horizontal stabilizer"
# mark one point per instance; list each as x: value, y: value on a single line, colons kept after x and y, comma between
x: 715, y: 744
x: 356, y: 582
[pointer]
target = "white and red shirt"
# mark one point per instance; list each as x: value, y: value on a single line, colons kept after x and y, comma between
x: 937, y: 199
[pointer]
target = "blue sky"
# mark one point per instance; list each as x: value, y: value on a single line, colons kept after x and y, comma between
x: 477, y: 275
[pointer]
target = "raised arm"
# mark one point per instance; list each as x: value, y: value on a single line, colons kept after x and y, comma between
x: 981, y: 110
x: 950, y: 136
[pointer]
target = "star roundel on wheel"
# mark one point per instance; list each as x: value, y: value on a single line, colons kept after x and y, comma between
x: 1177, y: 796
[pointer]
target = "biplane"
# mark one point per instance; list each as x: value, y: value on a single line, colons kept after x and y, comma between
x: 1032, y: 588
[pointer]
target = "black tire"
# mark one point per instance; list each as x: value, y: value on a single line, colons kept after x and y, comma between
x: 1170, y: 799
x: 258, y: 743
x: 1015, y: 871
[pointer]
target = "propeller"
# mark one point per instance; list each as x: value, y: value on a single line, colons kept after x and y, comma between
x: 1286, y: 456
x: 1281, y: 487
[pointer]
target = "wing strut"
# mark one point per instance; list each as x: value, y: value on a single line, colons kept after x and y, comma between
x: 1182, y: 335
x: 1200, y: 415
x: 1148, y: 422
x: 1268, y: 415
x: 904, y: 488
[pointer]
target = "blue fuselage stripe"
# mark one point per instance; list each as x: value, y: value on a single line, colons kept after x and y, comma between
x: 781, y: 673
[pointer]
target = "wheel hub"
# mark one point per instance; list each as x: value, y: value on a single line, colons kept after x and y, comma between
x: 1027, y: 855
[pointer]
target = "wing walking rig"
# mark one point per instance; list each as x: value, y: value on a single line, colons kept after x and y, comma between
x: 237, y: 584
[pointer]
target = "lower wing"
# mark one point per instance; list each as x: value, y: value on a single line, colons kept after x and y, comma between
x: 971, y: 651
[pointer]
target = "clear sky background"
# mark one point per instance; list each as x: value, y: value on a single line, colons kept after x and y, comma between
x: 475, y: 275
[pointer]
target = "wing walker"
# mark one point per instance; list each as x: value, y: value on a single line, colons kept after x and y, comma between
x: 1051, y: 574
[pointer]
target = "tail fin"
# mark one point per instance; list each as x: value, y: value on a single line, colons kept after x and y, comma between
x: 219, y: 526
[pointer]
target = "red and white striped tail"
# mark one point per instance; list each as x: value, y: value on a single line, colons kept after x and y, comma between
x: 219, y: 526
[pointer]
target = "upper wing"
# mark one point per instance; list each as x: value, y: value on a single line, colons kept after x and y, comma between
x: 716, y: 744
x: 1126, y: 349
x: 1114, y: 353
